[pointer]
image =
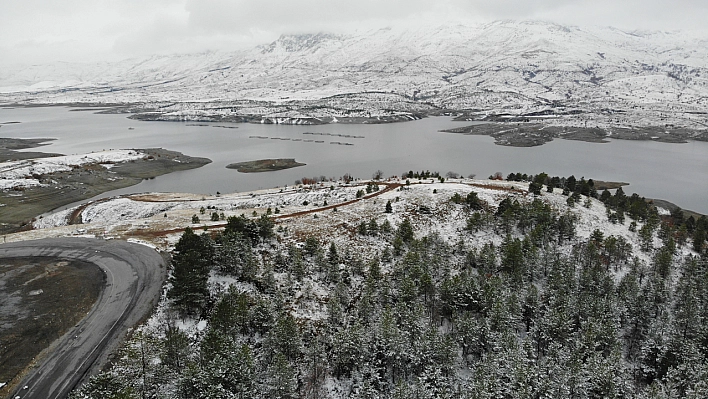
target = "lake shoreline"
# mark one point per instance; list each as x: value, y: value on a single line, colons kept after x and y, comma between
x: 656, y: 170
x: 22, y: 204
x: 532, y: 134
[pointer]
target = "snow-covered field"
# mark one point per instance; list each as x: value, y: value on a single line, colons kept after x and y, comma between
x: 23, y: 173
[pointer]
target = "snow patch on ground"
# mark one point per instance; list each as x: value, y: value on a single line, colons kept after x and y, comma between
x: 8, y: 184
x: 663, y: 211
x: 55, y: 219
x: 23, y: 173
x: 426, y: 203
x: 122, y: 209
x: 141, y: 242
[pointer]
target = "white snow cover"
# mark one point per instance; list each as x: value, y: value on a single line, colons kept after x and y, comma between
x: 20, y: 173
x: 446, y: 218
x: 141, y: 242
x: 54, y: 219
x: 502, y: 67
x: 663, y: 211
x: 122, y: 209
x: 6, y: 184
x: 310, y: 297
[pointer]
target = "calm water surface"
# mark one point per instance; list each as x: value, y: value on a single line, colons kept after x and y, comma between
x: 676, y: 172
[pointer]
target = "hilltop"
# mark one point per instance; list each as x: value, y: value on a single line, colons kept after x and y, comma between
x: 355, y: 288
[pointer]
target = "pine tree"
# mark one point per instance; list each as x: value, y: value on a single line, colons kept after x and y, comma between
x: 699, y: 239
x: 316, y: 367
x: 372, y: 227
x: 265, y: 227
x: 361, y: 229
x: 405, y: 231
x: 191, y: 263
x: 105, y: 386
x: 281, y: 380
x: 535, y: 188
x: 570, y: 183
x: 284, y: 338
x: 311, y: 245
x: 473, y: 201
x: 348, y: 350
x: 332, y: 255
x: 512, y: 259
x: 175, y: 348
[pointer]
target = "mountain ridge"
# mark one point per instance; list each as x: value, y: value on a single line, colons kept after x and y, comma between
x: 502, y: 65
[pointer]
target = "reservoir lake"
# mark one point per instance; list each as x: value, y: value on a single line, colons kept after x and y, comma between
x: 674, y: 172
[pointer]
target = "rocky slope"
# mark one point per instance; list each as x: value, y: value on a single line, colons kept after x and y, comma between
x: 605, y: 76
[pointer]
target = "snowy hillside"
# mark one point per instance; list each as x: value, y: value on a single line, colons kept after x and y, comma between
x: 463, y: 288
x: 503, y: 66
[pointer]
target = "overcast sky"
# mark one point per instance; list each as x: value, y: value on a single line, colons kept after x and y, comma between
x: 43, y: 31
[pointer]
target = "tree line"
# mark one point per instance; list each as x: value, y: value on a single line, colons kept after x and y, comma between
x: 542, y: 313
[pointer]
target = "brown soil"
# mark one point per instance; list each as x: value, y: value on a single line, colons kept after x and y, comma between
x: 42, y: 299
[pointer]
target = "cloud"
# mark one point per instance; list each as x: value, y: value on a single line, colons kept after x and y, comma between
x: 242, y: 16
x: 631, y: 14
x: 230, y: 25
x: 47, y: 30
x: 73, y: 30
x: 245, y: 16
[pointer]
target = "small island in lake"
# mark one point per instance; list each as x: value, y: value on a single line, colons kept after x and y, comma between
x: 265, y: 165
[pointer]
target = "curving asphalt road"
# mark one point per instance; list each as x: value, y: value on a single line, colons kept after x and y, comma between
x: 134, y: 276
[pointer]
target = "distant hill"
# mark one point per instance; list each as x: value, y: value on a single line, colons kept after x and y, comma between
x: 506, y: 65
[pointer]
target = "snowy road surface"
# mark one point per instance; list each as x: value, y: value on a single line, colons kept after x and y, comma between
x: 134, y: 276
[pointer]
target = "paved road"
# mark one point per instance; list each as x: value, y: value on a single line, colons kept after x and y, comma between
x: 134, y: 276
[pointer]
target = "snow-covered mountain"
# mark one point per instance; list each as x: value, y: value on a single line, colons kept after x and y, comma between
x: 502, y: 65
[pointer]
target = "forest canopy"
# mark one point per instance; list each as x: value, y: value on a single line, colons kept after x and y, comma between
x: 515, y: 304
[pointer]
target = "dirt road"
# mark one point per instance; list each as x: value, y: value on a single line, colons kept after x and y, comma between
x: 76, y: 215
x: 134, y: 276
